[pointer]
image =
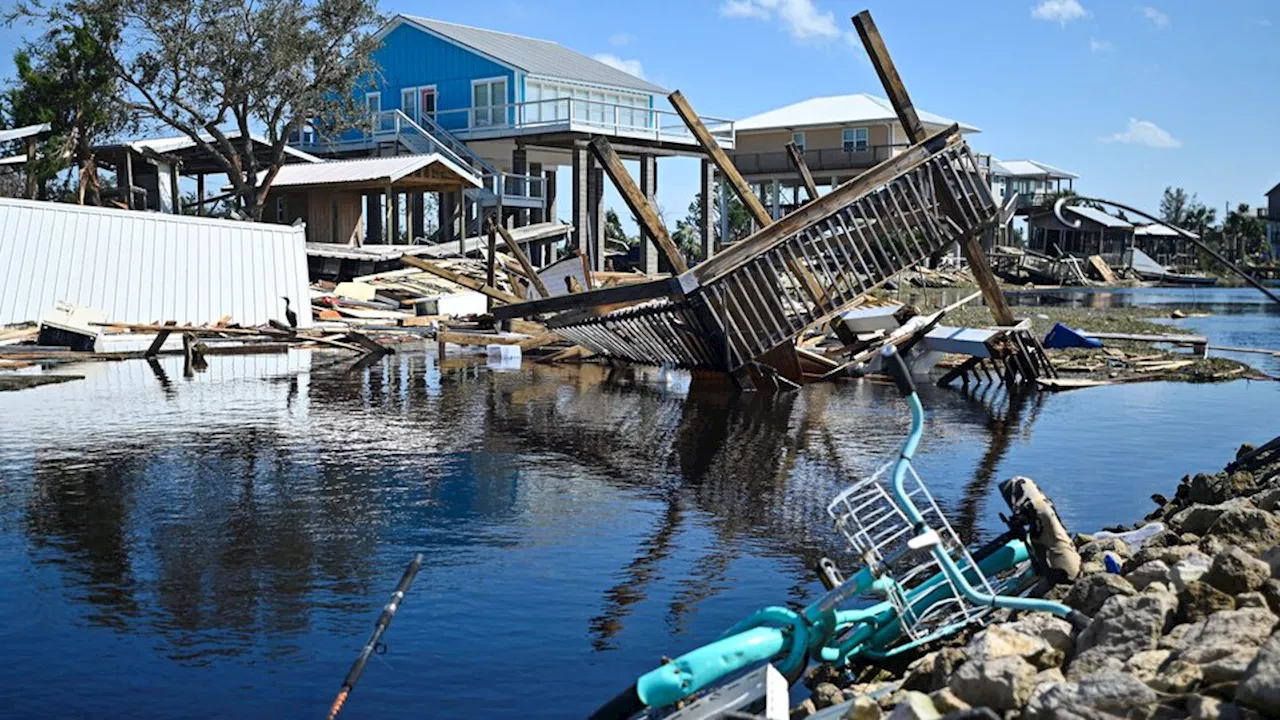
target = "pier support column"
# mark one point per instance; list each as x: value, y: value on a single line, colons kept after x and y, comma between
x: 649, y: 187
x: 373, y: 218
x: 598, y: 215
x: 519, y: 186
x: 538, y: 215
x: 418, y: 209
x: 706, y: 223
x: 724, y: 214
x: 444, y: 215
x: 581, y: 218
x: 550, y: 252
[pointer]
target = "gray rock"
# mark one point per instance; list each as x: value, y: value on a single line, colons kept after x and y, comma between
x: 1089, y: 593
x: 803, y: 710
x: 1052, y: 629
x: 1211, y: 545
x: 1108, y: 692
x: 915, y: 706
x: 1200, y: 600
x: 1168, y: 555
x: 1251, y: 600
x: 1197, y: 519
x: 1177, y: 677
x: 1252, y: 529
x: 931, y: 672
x: 863, y: 708
x: 1272, y: 559
x: 1125, y: 626
x: 1267, y: 499
x: 1001, y: 684
x: 1235, y: 571
x: 1271, y: 591
x: 1146, y: 665
x: 1154, y: 571
x: 946, y: 701
x: 998, y: 641
x: 826, y: 695
x: 1173, y: 636
x: 1203, y: 707
x: 1224, y: 643
x: 1259, y: 687
x: 1096, y: 549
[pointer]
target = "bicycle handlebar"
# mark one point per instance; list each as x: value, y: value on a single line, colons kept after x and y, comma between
x: 897, y: 369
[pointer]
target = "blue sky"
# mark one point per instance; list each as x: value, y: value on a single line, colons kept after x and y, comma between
x: 1130, y: 96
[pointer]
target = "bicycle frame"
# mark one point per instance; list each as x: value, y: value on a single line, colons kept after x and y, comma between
x: 778, y: 631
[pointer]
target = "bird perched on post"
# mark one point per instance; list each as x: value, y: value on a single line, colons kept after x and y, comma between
x: 289, y: 314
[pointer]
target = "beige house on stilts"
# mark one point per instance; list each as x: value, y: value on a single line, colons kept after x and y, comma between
x: 839, y: 136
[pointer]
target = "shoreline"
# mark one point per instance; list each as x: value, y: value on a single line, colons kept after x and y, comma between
x: 1186, y: 629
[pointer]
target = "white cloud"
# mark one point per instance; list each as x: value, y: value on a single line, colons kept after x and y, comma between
x: 631, y: 67
x: 1099, y: 46
x: 1059, y: 11
x: 1261, y: 22
x: 1157, y: 18
x: 801, y: 18
x: 1145, y: 132
x: 621, y: 39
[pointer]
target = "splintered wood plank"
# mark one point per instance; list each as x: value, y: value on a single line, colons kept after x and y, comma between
x: 803, y: 168
x: 523, y: 259
x: 461, y: 280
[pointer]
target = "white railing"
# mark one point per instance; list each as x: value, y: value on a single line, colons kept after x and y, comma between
x: 611, y: 118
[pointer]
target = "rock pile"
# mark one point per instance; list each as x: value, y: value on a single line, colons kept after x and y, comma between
x: 1190, y: 627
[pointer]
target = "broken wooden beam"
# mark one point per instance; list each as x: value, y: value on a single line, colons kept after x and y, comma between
x: 462, y: 280
x: 523, y: 259
x: 636, y: 292
x: 910, y: 119
x: 802, y: 167
x: 635, y: 199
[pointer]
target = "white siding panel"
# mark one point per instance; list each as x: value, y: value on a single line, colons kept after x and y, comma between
x: 143, y: 267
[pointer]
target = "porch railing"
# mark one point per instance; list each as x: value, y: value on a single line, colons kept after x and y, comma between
x: 611, y: 118
x: 818, y: 159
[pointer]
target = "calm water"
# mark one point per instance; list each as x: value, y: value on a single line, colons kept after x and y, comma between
x: 222, y: 545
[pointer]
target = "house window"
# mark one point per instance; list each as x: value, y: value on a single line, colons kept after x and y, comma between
x: 798, y: 139
x: 409, y: 102
x: 488, y: 101
x: 855, y: 139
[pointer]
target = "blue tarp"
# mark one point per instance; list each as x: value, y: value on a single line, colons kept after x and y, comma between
x: 1062, y: 336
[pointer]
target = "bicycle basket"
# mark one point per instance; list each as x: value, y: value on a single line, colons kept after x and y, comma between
x: 878, y: 530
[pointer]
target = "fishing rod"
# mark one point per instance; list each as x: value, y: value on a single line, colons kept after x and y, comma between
x: 375, y: 640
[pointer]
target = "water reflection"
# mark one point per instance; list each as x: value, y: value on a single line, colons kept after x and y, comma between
x: 252, y: 515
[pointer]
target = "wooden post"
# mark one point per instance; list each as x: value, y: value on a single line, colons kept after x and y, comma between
x: 128, y: 178
x: 174, y: 169
x: 393, y: 203
x: 459, y: 210
x: 649, y: 188
x: 910, y: 120
x: 30, y: 168
x: 200, y: 194
x: 491, y: 276
x: 581, y: 198
x: 706, y: 224
x: 806, y: 177
x: 646, y: 216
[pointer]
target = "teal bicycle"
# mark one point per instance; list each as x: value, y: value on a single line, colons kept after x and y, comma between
x: 924, y: 581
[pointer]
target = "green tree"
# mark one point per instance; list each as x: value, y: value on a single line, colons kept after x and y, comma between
x: 64, y: 78
x: 1174, y: 205
x: 216, y: 71
x: 1243, y: 231
x: 688, y: 234
x: 613, y: 232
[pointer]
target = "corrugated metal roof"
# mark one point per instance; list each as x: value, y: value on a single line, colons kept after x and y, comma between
x: 536, y: 57
x: 24, y: 132
x: 1098, y: 216
x: 837, y: 110
x: 378, y: 169
x: 182, y: 142
x: 145, y: 267
x: 1157, y: 230
x: 1029, y: 168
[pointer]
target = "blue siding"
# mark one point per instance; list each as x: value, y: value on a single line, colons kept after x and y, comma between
x: 410, y: 57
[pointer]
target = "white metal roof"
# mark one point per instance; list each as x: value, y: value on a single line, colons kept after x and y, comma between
x: 1098, y: 216
x: 533, y: 56
x: 1029, y: 168
x: 836, y: 110
x: 182, y: 142
x: 1156, y: 230
x: 24, y: 132
x: 144, y: 267
x: 377, y: 169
